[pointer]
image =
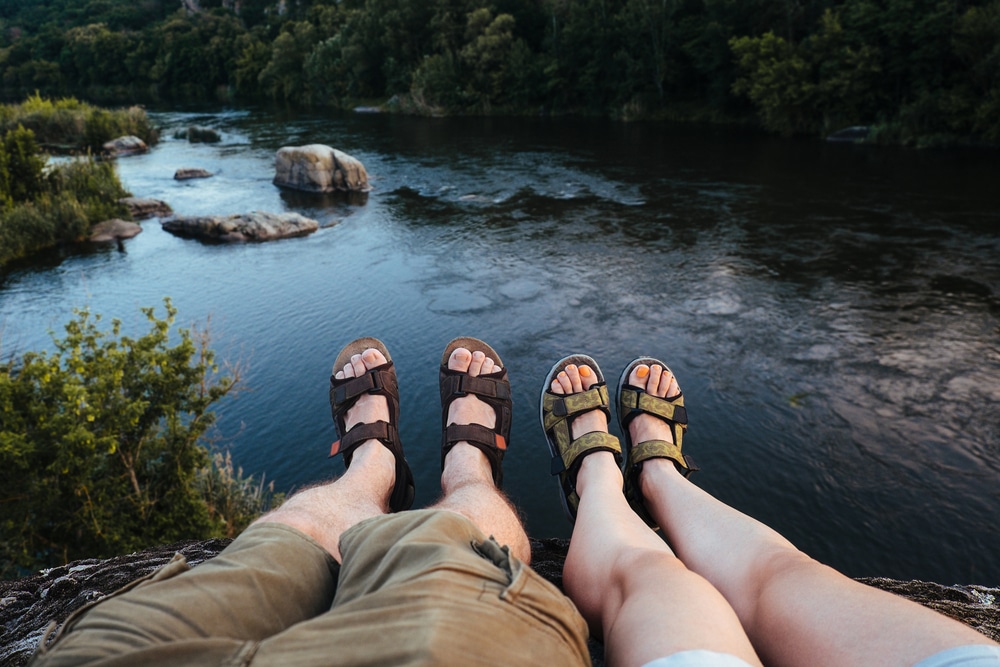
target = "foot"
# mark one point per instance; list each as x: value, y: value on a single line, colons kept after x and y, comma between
x: 573, y: 380
x: 368, y: 409
x: 471, y: 410
x: 660, y: 382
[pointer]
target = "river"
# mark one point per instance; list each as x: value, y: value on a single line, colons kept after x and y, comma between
x: 832, y: 311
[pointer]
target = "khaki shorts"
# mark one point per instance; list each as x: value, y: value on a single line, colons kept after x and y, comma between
x: 422, y: 587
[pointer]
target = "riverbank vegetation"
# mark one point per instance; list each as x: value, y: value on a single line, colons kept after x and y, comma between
x: 40, y: 205
x: 914, y: 69
x: 101, y: 447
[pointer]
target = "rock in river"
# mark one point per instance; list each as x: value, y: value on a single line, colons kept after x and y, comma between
x: 113, y: 230
x: 319, y: 168
x: 127, y: 145
x: 146, y: 208
x: 187, y: 174
x: 253, y: 226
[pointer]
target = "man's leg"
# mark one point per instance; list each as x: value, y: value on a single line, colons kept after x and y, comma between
x: 467, y: 479
x: 280, y: 572
x: 795, y: 610
x: 324, y: 512
x: 627, y: 583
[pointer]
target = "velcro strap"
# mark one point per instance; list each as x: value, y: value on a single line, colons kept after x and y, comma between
x: 670, y: 409
x: 359, y: 433
x: 585, y: 444
x: 557, y: 407
x: 474, y: 433
x: 487, y: 387
x: 370, y: 382
x: 657, y: 449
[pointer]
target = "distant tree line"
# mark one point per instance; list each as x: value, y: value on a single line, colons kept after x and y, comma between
x: 915, y: 69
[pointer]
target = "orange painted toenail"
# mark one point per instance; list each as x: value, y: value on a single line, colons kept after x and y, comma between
x: 642, y: 371
x: 585, y: 371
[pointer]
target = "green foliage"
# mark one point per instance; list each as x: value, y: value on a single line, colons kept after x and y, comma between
x: 20, y: 166
x: 70, y: 124
x: 234, y: 501
x: 99, y: 449
x: 912, y: 67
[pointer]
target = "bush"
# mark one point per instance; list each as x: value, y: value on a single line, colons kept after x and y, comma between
x: 73, y: 125
x: 99, y: 451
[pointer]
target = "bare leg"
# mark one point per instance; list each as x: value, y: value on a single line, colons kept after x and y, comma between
x: 795, y: 610
x: 324, y: 512
x: 626, y: 582
x: 467, y: 479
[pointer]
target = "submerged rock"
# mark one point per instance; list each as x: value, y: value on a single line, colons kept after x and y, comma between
x: 199, y: 135
x: 319, y: 168
x: 142, y: 209
x: 113, y: 230
x: 28, y: 605
x: 188, y: 174
x: 253, y: 226
x: 127, y: 145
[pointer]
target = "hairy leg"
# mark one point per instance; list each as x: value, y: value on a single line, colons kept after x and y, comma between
x: 324, y: 512
x: 467, y: 479
x: 626, y: 582
x: 795, y: 610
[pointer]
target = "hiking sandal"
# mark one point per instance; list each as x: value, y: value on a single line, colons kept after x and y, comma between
x: 557, y: 412
x: 493, y: 389
x: 633, y: 401
x: 380, y: 381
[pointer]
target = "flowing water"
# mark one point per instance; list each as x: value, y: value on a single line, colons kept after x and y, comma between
x: 832, y: 312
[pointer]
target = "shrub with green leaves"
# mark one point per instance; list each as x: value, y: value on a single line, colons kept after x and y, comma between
x: 99, y: 442
x: 70, y: 124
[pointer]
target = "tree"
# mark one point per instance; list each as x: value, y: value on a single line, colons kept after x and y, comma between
x: 99, y: 447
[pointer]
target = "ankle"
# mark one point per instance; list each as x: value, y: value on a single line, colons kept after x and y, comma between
x: 465, y: 464
x: 657, y: 473
x: 599, y: 471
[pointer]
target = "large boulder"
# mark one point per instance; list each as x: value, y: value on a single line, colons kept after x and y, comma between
x: 319, y: 168
x: 29, y: 605
x: 127, y: 145
x: 142, y: 209
x: 253, y: 226
x: 113, y: 230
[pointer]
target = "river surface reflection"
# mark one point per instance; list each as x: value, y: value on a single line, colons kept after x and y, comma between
x: 832, y: 312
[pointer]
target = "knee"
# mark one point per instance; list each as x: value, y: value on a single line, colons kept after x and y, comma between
x: 635, y: 568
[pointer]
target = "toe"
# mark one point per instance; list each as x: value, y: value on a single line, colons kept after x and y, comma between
x: 588, y: 378
x: 573, y: 372
x: 653, y: 381
x: 488, y: 366
x: 476, y: 366
x: 637, y: 378
x: 358, y: 364
x: 556, y: 387
x: 460, y: 359
x: 668, y: 385
x: 372, y: 358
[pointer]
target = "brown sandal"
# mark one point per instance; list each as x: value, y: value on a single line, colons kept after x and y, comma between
x: 493, y: 389
x: 381, y: 381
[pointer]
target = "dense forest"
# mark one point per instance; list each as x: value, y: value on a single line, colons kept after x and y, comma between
x: 915, y: 70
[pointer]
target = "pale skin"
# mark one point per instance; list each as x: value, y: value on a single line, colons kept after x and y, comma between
x: 324, y: 512
x: 730, y: 584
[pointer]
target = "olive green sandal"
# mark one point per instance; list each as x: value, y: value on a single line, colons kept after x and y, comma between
x: 633, y: 401
x: 557, y: 412
x: 381, y: 381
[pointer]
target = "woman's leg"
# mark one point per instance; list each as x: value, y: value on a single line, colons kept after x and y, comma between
x: 626, y: 582
x: 795, y: 610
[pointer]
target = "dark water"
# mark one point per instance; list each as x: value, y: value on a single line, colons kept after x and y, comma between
x: 832, y: 312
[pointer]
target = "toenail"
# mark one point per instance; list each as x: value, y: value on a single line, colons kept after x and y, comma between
x: 642, y: 371
x: 585, y: 371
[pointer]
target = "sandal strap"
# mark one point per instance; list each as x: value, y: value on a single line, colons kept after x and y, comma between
x: 455, y: 384
x: 595, y: 441
x: 382, y: 431
x: 474, y: 434
x: 379, y: 380
x: 661, y: 449
x: 636, y: 401
x: 564, y: 408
